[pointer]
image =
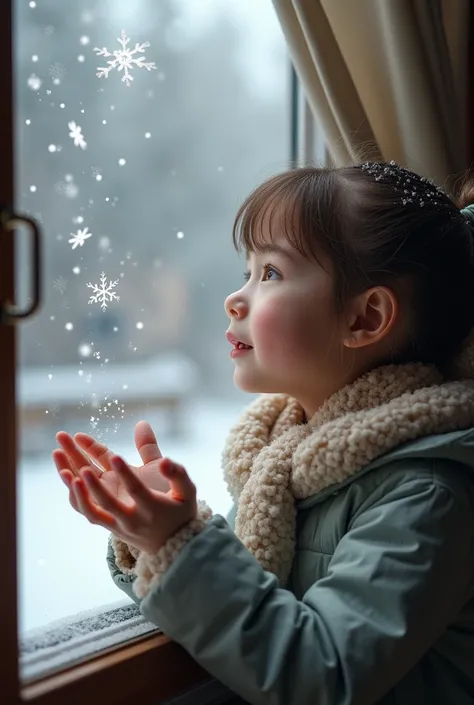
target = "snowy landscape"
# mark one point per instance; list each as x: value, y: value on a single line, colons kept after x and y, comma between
x: 61, y: 559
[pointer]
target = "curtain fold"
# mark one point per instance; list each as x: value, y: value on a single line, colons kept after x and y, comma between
x: 384, y: 79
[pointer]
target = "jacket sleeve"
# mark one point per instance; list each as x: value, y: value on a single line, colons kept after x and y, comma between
x: 397, y: 578
x: 123, y: 581
x: 124, y: 577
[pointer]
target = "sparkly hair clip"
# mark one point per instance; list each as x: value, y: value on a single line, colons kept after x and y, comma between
x: 412, y: 187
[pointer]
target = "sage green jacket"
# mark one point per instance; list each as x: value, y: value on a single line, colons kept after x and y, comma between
x: 380, y: 603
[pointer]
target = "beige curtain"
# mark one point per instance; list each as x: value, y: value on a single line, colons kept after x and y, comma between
x: 385, y: 79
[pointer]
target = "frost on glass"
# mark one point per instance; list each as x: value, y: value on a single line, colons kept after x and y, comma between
x: 140, y: 127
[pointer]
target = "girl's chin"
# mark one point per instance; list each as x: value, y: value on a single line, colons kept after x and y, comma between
x: 253, y: 383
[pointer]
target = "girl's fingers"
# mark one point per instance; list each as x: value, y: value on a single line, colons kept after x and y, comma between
x: 103, y: 497
x: 77, y: 460
x: 61, y: 460
x: 94, y: 513
x: 67, y: 477
x: 183, y: 488
x: 65, y: 470
x: 132, y: 482
x: 98, y: 451
x: 145, y: 441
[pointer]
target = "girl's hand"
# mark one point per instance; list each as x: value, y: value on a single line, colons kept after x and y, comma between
x: 84, y: 451
x: 151, y: 518
x: 138, y: 504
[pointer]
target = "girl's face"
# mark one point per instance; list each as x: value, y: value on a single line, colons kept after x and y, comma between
x: 285, y: 311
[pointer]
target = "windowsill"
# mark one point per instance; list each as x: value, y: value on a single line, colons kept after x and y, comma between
x: 155, y: 667
x: 107, y: 655
x: 65, y: 643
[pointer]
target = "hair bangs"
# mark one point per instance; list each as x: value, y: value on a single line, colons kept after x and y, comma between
x: 279, y: 206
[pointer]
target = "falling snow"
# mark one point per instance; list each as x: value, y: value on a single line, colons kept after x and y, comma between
x: 124, y: 59
x: 76, y: 135
x: 103, y: 293
x: 108, y: 411
x: 85, y: 350
x: 80, y: 237
x: 34, y: 82
x: 67, y: 188
x: 57, y: 72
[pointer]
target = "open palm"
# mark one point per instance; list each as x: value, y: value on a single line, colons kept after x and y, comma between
x: 83, y: 450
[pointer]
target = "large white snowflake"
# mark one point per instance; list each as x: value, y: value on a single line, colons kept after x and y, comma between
x: 124, y: 59
x: 103, y: 294
x: 76, y: 134
x: 80, y: 237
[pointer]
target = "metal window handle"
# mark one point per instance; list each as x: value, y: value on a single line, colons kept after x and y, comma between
x: 9, y: 221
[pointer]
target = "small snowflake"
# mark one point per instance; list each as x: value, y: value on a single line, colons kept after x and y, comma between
x: 77, y: 136
x: 34, y: 82
x: 66, y: 188
x: 124, y: 59
x: 103, y: 293
x: 57, y: 71
x: 80, y: 237
x: 53, y: 408
x: 60, y: 284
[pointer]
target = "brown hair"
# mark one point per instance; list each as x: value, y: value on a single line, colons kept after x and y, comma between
x: 374, y: 235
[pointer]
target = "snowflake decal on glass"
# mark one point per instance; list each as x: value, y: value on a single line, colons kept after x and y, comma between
x: 80, y: 237
x: 124, y: 59
x: 60, y: 284
x: 76, y: 134
x: 53, y: 409
x: 103, y: 294
x: 57, y: 72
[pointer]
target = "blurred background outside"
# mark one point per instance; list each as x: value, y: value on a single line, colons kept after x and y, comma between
x: 135, y: 188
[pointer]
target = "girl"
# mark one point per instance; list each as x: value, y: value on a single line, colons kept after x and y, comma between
x: 346, y: 572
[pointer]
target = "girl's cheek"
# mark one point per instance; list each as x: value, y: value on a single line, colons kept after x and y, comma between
x: 265, y: 320
x: 272, y: 327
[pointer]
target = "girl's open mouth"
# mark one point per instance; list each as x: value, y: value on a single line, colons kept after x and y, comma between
x: 239, y: 347
x: 240, y: 350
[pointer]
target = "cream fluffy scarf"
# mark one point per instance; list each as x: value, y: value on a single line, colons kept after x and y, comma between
x: 273, y: 458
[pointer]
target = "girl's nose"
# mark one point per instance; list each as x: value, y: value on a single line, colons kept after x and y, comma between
x: 235, y: 306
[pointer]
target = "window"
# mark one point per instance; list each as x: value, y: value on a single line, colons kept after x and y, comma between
x: 134, y: 177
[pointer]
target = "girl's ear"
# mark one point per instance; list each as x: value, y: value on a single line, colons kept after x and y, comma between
x: 373, y: 315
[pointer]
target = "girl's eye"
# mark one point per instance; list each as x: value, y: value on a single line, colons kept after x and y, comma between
x: 268, y: 269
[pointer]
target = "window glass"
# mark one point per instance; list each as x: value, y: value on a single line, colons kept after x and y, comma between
x: 134, y: 173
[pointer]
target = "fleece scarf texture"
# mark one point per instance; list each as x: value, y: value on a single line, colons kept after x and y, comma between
x: 272, y: 457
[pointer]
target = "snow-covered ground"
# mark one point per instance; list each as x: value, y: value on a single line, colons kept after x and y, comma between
x: 61, y: 562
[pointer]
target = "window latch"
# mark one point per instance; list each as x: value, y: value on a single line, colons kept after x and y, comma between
x: 10, y: 221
